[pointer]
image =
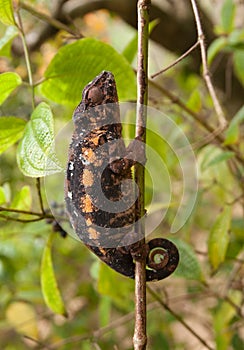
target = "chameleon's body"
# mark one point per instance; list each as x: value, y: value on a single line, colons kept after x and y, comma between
x: 98, y: 189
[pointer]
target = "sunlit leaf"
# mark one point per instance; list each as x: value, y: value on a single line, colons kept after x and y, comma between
x: 130, y: 50
x: 236, y: 39
x: 195, y: 102
x: 237, y: 227
x: 223, y: 156
x: 238, y: 59
x: 222, y: 318
x: 11, y: 130
x: 22, y: 317
x: 232, y: 133
x: 2, y: 195
x: 8, y: 83
x: 105, y: 306
x: 219, y: 238
x: 189, y: 266
x: 109, y: 278
x: 78, y: 63
x: 22, y: 199
x: 6, y: 12
x: 6, y: 41
x: 50, y: 290
x: 215, y: 47
x: 36, y: 156
x: 228, y: 16
x: 7, y: 191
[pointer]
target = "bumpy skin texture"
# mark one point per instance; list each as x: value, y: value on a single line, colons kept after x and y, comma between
x: 98, y: 189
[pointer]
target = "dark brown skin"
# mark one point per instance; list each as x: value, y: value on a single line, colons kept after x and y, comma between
x: 101, y: 213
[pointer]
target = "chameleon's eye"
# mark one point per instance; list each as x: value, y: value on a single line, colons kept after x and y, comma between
x: 95, y: 95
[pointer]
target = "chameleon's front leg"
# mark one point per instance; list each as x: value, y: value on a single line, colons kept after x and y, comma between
x: 134, y: 153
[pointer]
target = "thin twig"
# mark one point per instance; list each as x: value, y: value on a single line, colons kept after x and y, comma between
x: 178, y: 318
x: 140, y: 333
x: 99, y: 333
x: 176, y: 61
x: 206, y: 74
x: 38, y: 186
x: 19, y: 211
x: 37, y: 342
x: 27, y: 57
x: 9, y: 218
x: 41, y: 216
x: 202, y: 120
x: 52, y: 21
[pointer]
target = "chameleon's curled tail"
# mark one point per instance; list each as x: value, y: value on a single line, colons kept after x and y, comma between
x: 161, y: 261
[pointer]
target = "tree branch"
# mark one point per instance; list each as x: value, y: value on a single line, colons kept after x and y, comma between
x: 140, y: 332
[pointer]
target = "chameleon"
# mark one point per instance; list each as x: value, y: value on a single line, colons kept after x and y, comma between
x: 99, y: 192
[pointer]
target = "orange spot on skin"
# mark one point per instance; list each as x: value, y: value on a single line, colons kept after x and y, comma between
x: 103, y: 251
x: 89, y: 222
x: 95, y: 140
x: 93, y: 234
x: 87, y: 178
x: 86, y: 204
x: 88, y: 154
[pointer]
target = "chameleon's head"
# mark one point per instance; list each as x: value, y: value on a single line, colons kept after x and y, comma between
x: 100, y: 91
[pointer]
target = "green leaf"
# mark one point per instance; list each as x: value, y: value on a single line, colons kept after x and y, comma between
x: 108, y: 279
x: 238, y: 59
x: 23, y: 318
x: 221, y: 157
x: 236, y: 39
x: 232, y: 133
x: 8, y: 83
x: 49, y: 285
x: 7, y: 191
x: 78, y: 63
x: 195, y: 101
x: 228, y: 16
x: 219, y: 238
x: 105, y: 307
x: 6, y: 41
x: 130, y: 50
x: 222, y: 318
x: 11, y: 130
x: 237, y: 227
x: 22, y: 200
x: 215, y: 47
x: 36, y: 156
x: 153, y: 24
x: 6, y: 12
x: 189, y: 266
x: 2, y: 195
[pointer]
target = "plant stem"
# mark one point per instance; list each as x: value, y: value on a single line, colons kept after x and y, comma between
x: 27, y: 57
x: 140, y: 334
x: 179, y: 318
x: 206, y: 74
x: 52, y: 21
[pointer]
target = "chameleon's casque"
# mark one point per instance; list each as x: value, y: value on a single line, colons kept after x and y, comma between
x: 99, y: 194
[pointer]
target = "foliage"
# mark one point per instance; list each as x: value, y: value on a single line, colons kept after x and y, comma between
x: 38, y: 92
